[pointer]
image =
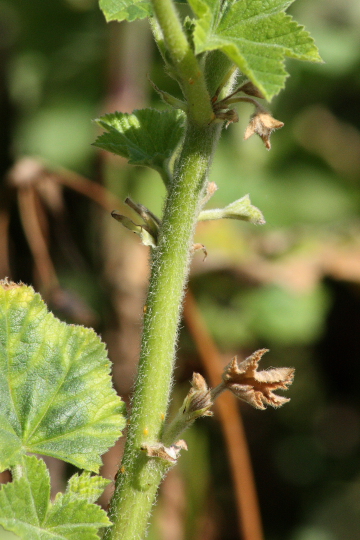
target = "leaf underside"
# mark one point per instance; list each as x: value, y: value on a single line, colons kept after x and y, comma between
x: 26, y: 510
x: 127, y: 10
x: 56, y: 393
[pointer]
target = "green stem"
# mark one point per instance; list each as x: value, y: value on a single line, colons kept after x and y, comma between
x: 185, y: 64
x: 139, y: 476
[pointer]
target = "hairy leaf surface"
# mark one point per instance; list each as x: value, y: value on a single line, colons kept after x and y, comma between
x: 26, y: 510
x: 128, y: 10
x: 145, y: 137
x: 55, y: 386
x: 256, y: 35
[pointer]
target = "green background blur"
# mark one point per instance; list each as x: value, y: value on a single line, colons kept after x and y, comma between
x: 291, y: 285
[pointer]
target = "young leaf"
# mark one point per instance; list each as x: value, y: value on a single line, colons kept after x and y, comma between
x: 240, y: 209
x: 85, y: 486
x: 55, y: 385
x: 129, y: 10
x: 26, y: 510
x: 256, y: 36
x: 145, y: 137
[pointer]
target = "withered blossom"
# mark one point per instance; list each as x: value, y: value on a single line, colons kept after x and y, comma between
x: 263, y: 124
x: 257, y: 387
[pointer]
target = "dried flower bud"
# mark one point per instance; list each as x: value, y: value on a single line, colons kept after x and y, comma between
x: 263, y: 124
x: 198, y: 401
x: 251, y: 90
x: 257, y: 387
x: 195, y: 405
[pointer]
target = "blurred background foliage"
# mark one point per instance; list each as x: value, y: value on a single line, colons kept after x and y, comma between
x: 291, y: 285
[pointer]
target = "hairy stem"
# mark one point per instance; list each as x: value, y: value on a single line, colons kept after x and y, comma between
x: 185, y: 64
x: 139, y: 475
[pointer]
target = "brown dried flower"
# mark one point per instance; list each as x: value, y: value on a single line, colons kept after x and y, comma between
x: 257, y: 387
x: 263, y: 124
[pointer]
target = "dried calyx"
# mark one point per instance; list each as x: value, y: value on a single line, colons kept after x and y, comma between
x: 243, y: 379
x: 255, y: 387
x: 261, y: 122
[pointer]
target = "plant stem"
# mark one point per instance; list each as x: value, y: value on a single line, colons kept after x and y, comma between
x: 139, y: 476
x: 185, y: 64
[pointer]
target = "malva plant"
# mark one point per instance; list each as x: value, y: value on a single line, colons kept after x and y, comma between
x: 55, y: 384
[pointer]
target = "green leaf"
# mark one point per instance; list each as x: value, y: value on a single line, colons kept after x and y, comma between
x: 128, y: 10
x: 241, y: 209
x: 146, y: 137
x: 55, y: 386
x: 87, y: 487
x: 256, y: 35
x: 26, y: 510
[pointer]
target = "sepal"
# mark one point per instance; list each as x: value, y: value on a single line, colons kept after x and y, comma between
x: 148, y: 231
x: 257, y: 387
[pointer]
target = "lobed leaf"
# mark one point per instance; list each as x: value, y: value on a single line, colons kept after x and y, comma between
x: 55, y: 386
x: 146, y: 137
x: 26, y: 510
x: 256, y: 35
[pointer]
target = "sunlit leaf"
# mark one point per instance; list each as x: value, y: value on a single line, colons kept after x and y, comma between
x: 55, y: 386
x: 256, y: 35
x: 129, y: 10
